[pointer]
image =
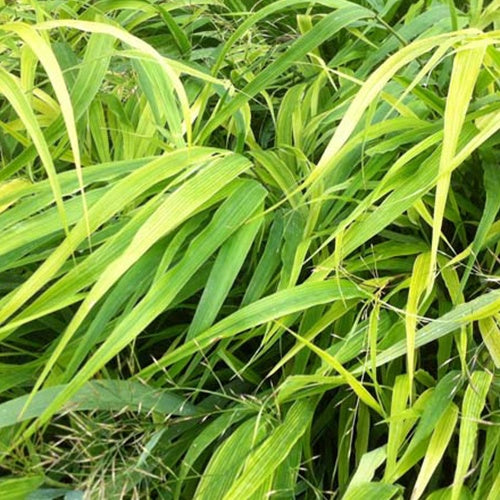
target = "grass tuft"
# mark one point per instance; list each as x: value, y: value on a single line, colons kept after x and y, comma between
x: 249, y: 249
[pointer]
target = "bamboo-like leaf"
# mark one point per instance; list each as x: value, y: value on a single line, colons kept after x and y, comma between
x: 226, y: 267
x: 355, y: 385
x: 370, y: 90
x: 264, y: 461
x: 99, y: 395
x: 435, y: 451
x: 491, y: 337
x: 183, y: 203
x: 492, y: 206
x: 372, y: 491
x: 47, y: 58
x: 438, y: 402
x: 473, y: 404
x: 12, y: 191
x: 367, y: 467
x: 168, y: 65
x: 229, y: 458
x: 397, y: 428
x: 267, y: 309
x: 483, y: 306
x: 21, y: 105
x: 19, y: 488
x: 107, y: 206
x: 466, y: 66
x: 417, y: 288
x: 203, y: 440
x: 323, y: 30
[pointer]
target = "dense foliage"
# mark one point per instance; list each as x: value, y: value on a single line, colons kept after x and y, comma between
x: 249, y: 249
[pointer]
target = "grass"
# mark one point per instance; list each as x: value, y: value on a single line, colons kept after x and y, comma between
x: 249, y: 249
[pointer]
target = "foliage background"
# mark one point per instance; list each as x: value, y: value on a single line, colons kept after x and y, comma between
x: 249, y: 250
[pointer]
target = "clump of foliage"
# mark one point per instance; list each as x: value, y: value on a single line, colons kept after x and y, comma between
x: 249, y: 249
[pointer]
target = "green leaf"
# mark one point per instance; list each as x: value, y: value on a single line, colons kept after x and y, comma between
x: 224, y: 272
x: 476, y: 309
x: 19, y: 488
x: 228, y: 460
x: 417, y: 288
x: 491, y: 337
x: 267, y: 309
x: 472, y: 407
x: 466, y: 66
x: 355, y: 385
x: 372, y: 491
x: 367, y: 467
x: 99, y: 395
x: 263, y: 462
x: 323, y: 30
x: 435, y: 451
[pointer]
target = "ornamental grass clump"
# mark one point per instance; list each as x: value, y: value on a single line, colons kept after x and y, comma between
x: 249, y: 249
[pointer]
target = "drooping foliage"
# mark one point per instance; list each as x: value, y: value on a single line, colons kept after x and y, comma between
x: 249, y: 249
